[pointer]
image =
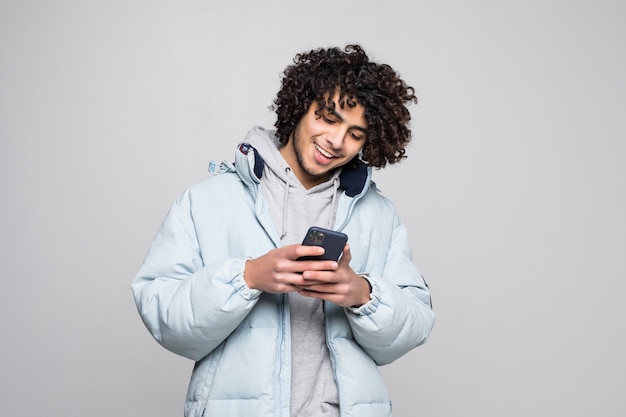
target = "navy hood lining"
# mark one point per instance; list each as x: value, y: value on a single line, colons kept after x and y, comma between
x: 353, y: 177
x: 259, y: 163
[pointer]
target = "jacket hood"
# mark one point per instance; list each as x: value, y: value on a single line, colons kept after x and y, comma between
x: 354, y: 177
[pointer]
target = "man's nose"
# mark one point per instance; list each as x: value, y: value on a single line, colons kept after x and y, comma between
x: 336, y: 137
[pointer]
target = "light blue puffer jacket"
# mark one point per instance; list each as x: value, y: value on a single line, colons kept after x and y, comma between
x: 192, y: 297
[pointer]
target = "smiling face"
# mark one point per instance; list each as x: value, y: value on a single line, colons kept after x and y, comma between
x: 325, y: 140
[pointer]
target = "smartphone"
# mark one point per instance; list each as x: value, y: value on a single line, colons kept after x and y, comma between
x: 331, y: 240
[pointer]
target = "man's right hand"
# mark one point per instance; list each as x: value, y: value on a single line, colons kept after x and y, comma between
x: 279, y: 271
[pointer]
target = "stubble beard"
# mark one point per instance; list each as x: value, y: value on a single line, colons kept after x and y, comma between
x: 300, y: 158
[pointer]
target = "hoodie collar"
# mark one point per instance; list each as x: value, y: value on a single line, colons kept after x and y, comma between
x: 353, y: 178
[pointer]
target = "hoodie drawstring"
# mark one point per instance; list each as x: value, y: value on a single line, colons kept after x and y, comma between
x: 333, y: 208
x: 285, y: 199
x: 333, y: 205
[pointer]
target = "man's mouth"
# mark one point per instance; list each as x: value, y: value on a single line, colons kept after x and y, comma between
x: 324, y: 153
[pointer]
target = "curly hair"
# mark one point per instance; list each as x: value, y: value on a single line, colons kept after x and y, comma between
x: 377, y: 87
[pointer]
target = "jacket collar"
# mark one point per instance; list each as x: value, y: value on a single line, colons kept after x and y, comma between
x: 353, y: 179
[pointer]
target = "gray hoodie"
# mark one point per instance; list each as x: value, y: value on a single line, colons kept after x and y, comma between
x: 294, y: 209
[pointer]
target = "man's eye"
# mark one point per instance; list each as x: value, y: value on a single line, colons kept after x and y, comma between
x: 356, y: 136
x: 329, y: 120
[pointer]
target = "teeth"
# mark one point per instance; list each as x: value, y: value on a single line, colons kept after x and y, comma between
x: 323, y: 152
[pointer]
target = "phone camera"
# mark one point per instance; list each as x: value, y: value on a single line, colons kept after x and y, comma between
x: 316, y: 237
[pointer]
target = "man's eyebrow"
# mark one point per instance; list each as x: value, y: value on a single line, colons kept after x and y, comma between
x: 332, y: 112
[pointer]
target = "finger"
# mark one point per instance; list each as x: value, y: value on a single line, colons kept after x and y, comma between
x: 307, y: 285
x: 322, y: 276
x: 312, y: 294
x: 307, y: 250
x: 320, y: 289
x: 314, y: 265
x: 346, y: 256
x: 320, y: 295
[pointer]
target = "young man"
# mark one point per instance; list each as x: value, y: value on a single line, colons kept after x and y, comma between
x: 222, y: 284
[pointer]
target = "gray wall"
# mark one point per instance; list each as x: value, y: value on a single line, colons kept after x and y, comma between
x: 513, y: 190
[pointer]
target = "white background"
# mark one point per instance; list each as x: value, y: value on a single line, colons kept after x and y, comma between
x: 513, y: 191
